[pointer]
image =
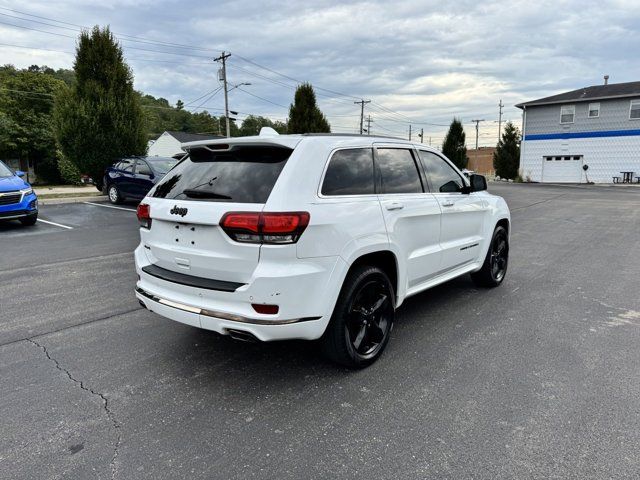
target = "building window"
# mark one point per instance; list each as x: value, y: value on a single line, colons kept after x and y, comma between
x: 567, y: 113
x: 572, y: 157
x: 634, y: 110
x: 594, y: 110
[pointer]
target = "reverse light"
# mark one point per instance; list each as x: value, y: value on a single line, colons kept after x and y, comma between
x: 265, y: 227
x: 144, y: 215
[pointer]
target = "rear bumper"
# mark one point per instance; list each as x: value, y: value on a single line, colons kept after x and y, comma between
x: 305, y: 293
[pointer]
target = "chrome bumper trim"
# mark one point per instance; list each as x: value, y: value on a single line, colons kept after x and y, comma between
x: 221, y: 315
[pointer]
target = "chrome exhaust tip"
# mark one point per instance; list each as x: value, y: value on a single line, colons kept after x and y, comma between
x: 242, y: 336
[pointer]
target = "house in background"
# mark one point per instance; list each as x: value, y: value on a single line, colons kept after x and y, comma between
x: 170, y: 143
x: 597, y: 126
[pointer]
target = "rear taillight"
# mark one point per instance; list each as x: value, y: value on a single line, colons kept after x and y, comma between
x: 264, y: 227
x: 144, y: 215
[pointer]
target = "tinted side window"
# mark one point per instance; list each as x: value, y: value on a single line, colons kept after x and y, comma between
x: 443, y: 177
x: 350, y: 172
x: 142, y: 168
x: 126, y: 165
x: 398, y: 171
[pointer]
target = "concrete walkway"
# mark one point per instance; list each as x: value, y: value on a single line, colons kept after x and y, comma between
x: 49, y: 195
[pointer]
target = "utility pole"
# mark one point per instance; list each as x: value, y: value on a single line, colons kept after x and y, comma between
x: 409, y: 132
x: 500, y: 120
x: 223, y: 59
x: 369, y: 124
x: 421, y: 135
x: 429, y: 141
x: 477, y: 122
x: 362, y: 102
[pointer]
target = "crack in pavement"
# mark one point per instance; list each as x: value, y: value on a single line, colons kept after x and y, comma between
x: 537, y: 203
x: 69, y: 327
x: 105, y: 402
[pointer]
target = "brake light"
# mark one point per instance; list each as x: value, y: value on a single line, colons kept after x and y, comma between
x: 265, y: 227
x: 144, y: 215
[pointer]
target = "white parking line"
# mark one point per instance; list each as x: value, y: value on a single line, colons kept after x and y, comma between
x: 55, y: 224
x: 109, y: 206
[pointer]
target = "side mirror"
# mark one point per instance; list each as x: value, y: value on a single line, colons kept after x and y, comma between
x: 20, y: 173
x: 478, y: 183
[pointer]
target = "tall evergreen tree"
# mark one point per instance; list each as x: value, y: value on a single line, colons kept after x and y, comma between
x: 304, y: 114
x: 506, y: 158
x: 454, y: 146
x: 100, y: 118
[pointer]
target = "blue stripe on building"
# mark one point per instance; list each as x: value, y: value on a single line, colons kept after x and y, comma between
x: 568, y: 135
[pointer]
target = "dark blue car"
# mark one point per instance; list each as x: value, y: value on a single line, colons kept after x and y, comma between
x: 132, y: 178
x: 17, y: 200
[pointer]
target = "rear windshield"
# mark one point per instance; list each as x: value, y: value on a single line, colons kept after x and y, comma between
x: 244, y: 174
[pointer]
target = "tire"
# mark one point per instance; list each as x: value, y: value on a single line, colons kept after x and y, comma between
x: 29, y: 221
x: 494, y: 268
x: 362, y: 319
x: 114, y: 194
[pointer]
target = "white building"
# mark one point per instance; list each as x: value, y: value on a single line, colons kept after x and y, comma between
x: 596, y: 126
x: 170, y: 143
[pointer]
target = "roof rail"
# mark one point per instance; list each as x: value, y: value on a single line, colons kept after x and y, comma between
x: 350, y: 135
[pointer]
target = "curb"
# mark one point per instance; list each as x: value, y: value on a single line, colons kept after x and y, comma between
x: 57, y: 201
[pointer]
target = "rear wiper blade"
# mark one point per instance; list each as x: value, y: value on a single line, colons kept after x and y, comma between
x: 190, y: 192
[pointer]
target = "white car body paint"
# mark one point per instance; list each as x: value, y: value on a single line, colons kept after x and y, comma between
x: 434, y: 237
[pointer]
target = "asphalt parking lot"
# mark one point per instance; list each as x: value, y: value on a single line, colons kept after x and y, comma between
x: 539, y: 378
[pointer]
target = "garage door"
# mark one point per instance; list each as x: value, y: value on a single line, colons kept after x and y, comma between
x: 562, y: 169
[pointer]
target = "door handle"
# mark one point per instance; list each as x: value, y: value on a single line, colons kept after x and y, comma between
x: 394, y: 206
x: 447, y: 204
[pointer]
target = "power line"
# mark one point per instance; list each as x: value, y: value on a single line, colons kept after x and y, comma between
x: 124, y: 46
x: 291, y: 78
x: 132, y: 38
x: 136, y: 59
x: 261, y: 98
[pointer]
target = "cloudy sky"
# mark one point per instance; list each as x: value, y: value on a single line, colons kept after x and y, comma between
x: 420, y: 63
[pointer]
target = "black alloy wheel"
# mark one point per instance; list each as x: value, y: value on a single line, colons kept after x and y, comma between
x: 362, y: 319
x: 499, y: 255
x: 370, y: 317
x: 494, y: 268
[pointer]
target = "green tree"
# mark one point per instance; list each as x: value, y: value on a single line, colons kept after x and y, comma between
x: 252, y: 124
x: 506, y: 158
x: 26, y: 107
x: 304, y: 114
x: 454, y: 146
x: 100, y: 118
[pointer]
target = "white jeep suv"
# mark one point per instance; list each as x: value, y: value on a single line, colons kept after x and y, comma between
x: 312, y: 237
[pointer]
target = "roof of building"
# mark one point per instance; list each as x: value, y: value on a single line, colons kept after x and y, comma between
x: 184, y: 137
x: 595, y: 92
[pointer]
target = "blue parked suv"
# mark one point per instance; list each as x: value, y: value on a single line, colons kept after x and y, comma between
x: 132, y: 178
x: 17, y: 199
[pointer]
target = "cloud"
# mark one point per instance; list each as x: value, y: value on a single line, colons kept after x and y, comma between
x: 427, y: 60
